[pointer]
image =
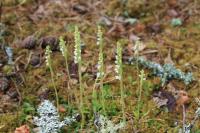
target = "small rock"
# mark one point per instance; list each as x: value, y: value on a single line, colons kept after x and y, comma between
x: 105, y: 21
x: 155, y: 28
x: 80, y: 8
x: 4, y: 84
x: 172, y: 13
x: 131, y: 21
x: 29, y: 42
x: 51, y: 41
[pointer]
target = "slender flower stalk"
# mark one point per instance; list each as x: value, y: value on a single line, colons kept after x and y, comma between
x: 64, y: 51
x: 136, y: 52
x: 100, y: 66
x: 142, y: 78
x: 119, y: 76
x: 77, y: 60
x: 49, y: 64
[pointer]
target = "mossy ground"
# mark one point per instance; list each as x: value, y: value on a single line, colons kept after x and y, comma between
x: 28, y: 18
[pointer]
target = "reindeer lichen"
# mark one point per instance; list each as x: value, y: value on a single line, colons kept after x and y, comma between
x: 166, y: 72
x: 48, y: 120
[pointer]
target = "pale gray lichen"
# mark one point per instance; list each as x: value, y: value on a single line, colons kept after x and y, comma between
x: 104, y: 125
x: 166, y: 72
x: 48, y: 120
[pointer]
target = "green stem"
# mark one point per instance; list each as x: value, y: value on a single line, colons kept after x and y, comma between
x: 94, y: 96
x: 122, y: 95
x: 81, y: 95
x: 66, y: 62
x: 54, y: 86
x: 102, y: 96
x: 140, y: 94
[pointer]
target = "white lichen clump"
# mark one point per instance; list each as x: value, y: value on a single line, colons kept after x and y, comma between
x: 48, y: 120
x: 104, y: 125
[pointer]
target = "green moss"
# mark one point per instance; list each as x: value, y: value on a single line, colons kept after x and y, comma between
x: 8, y: 122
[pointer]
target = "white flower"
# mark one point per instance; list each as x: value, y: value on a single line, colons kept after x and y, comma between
x: 99, y: 36
x: 142, y: 75
x: 118, y: 62
x: 77, y: 47
x: 48, y: 56
x: 62, y: 46
x: 100, y: 60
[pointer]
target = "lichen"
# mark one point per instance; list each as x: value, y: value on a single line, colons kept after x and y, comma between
x: 104, y: 125
x: 49, y: 122
x: 166, y: 72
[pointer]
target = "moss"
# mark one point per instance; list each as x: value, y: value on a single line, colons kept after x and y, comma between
x: 8, y: 122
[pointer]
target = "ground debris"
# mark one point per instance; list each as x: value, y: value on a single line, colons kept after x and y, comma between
x: 163, y: 98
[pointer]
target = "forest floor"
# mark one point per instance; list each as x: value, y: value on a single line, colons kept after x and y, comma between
x: 169, y: 31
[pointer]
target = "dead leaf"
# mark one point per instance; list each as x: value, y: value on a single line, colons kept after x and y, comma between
x: 139, y: 27
x: 62, y: 109
x: 182, y: 98
x: 164, y: 98
x: 172, y: 3
x: 168, y: 59
x: 22, y: 129
x: 116, y: 30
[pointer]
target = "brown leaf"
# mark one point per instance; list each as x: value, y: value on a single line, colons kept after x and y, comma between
x: 164, y: 98
x: 22, y: 129
x: 172, y: 3
x: 62, y: 109
x: 182, y: 98
x: 168, y: 59
x: 139, y: 27
x: 116, y: 30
